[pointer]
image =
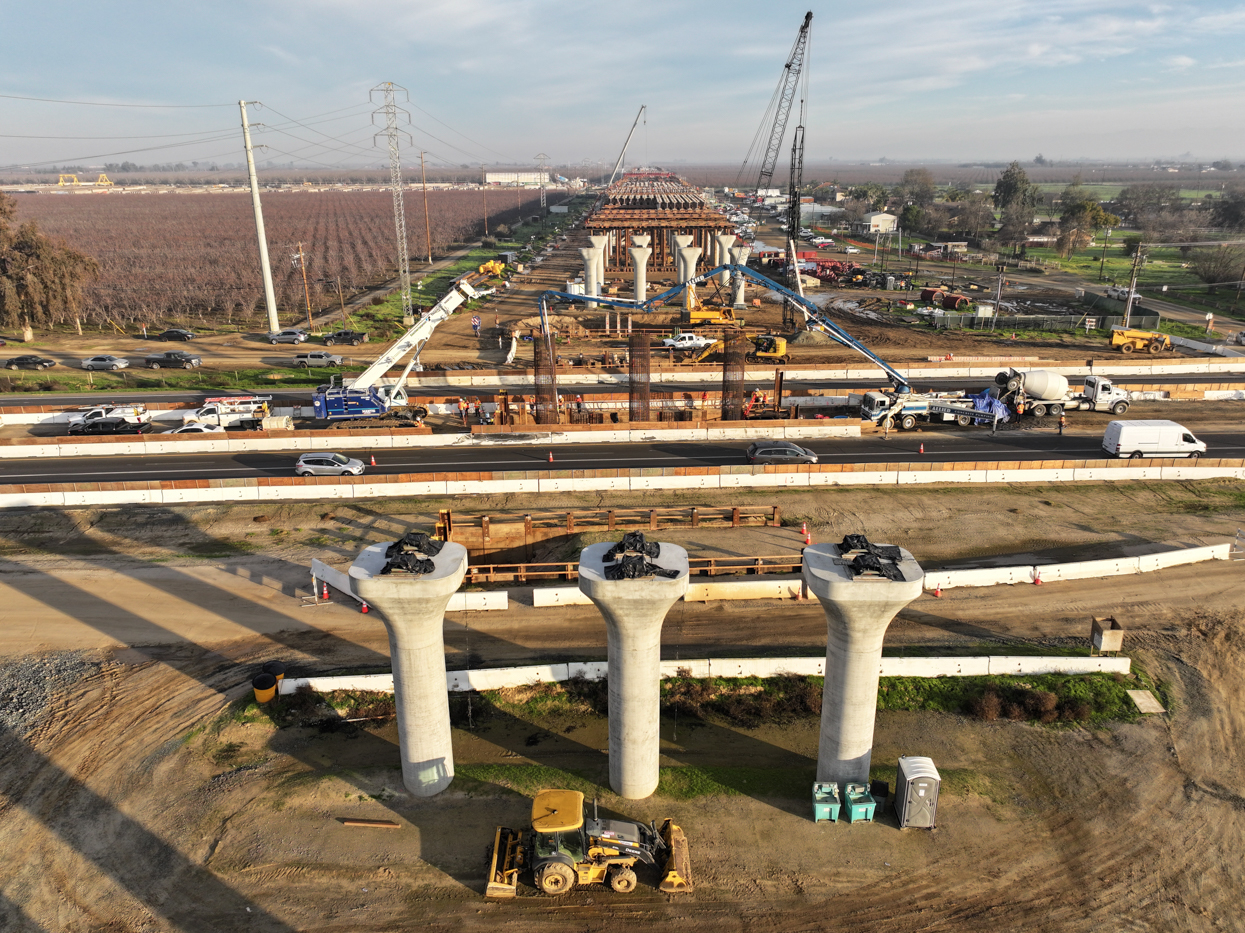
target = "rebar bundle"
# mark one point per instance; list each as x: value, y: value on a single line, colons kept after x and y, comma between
x: 546, y: 409
x: 733, y: 376
x: 639, y: 373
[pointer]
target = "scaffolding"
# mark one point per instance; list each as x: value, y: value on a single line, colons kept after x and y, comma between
x: 639, y: 373
x: 734, y: 373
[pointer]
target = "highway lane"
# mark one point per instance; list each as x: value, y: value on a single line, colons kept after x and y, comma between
x: 303, y: 396
x: 940, y: 446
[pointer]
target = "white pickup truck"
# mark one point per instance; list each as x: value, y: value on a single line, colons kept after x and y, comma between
x: 135, y: 414
x: 687, y: 341
x: 230, y: 411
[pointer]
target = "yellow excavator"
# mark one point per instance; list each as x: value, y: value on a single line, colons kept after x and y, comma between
x: 566, y: 848
x: 764, y: 347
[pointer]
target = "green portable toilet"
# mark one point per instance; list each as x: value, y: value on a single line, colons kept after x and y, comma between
x: 826, y: 802
x: 859, y: 803
x: 916, y: 792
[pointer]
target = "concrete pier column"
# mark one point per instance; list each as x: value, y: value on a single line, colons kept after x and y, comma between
x: 723, y: 243
x: 413, y: 606
x: 599, y: 244
x: 739, y: 257
x: 634, y: 610
x: 681, y: 242
x: 858, y: 609
x: 639, y: 262
x: 642, y: 241
x: 592, y: 285
x: 689, y: 256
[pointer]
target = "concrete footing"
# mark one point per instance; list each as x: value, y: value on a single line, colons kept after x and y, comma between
x: 858, y: 610
x: 413, y: 606
x: 634, y: 611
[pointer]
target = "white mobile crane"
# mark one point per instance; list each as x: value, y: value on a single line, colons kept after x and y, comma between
x: 364, y: 397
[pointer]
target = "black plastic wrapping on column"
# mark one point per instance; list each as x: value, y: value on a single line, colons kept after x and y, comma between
x: 861, y: 543
x: 412, y: 554
x: 630, y: 559
x: 870, y: 563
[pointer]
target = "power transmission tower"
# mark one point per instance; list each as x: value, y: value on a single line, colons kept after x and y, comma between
x: 390, y: 109
x: 542, y: 161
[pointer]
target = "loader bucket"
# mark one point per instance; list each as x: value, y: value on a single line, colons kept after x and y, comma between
x: 504, y: 863
x: 676, y: 875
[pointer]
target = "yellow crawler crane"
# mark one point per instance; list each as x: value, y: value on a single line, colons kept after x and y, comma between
x: 566, y: 848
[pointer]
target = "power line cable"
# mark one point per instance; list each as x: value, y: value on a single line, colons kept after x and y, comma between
x: 95, y: 103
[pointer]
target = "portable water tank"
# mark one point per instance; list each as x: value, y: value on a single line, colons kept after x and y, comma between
x: 916, y: 792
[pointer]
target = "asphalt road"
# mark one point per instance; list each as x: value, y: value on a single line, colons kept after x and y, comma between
x: 940, y: 446
x: 303, y: 396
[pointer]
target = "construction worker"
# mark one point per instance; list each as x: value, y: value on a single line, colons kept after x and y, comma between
x: 1062, y: 424
x: 1020, y: 407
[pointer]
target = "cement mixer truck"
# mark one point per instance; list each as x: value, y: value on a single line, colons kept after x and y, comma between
x: 1041, y: 392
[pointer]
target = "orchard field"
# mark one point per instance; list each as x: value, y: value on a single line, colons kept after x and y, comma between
x: 190, y: 258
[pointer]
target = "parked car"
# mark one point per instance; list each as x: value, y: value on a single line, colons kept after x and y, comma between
x: 316, y: 358
x: 197, y: 428
x: 289, y: 335
x: 110, y: 426
x: 177, y: 333
x: 105, y: 362
x: 29, y: 361
x: 326, y: 464
x: 823, y: 240
x: 352, y: 337
x: 172, y: 359
x: 779, y: 452
x: 1136, y: 439
x: 851, y: 249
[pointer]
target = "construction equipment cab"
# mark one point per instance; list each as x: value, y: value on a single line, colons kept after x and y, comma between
x: 1146, y: 340
x: 565, y: 848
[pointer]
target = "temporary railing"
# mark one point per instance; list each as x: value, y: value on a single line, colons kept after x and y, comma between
x: 569, y: 570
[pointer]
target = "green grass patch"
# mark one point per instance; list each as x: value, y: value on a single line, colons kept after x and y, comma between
x: 528, y: 780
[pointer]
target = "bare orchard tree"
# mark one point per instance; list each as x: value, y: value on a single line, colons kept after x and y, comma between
x: 1219, y: 265
x: 41, y: 279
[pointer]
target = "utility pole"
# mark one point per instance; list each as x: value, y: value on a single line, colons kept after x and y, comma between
x: 391, y: 110
x: 270, y: 298
x: 1132, y: 285
x: 341, y: 299
x: 484, y: 197
x: 301, y: 262
x: 423, y: 177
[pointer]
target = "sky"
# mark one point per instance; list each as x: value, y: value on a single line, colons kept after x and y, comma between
x: 499, y: 81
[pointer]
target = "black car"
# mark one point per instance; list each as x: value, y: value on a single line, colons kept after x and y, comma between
x: 352, y: 337
x: 110, y: 426
x: 29, y: 361
x: 177, y: 333
x: 779, y: 452
x: 172, y: 359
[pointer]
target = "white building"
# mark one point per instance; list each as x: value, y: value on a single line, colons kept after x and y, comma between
x: 516, y: 178
x: 877, y: 222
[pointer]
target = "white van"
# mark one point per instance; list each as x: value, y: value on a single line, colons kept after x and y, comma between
x: 1135, y: 439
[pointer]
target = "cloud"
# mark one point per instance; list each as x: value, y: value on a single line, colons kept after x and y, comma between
x: 1179, y: 62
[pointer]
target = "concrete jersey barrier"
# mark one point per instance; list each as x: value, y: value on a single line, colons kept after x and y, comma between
x: 502, y: 678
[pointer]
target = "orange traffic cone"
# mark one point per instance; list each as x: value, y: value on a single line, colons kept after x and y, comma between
x: 551, y: 456
x: 373, y: 459
x: 1037, y: 578
x: 938, y: 591
x: 363, y: 607
x: 922, y: 450
x: 325, y: 593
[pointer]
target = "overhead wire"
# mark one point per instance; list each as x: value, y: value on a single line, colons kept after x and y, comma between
x: 96, y: 103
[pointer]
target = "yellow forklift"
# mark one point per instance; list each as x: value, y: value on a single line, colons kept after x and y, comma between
x: 566, y: 848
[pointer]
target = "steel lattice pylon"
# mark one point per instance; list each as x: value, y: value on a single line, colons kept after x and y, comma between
x: 390, y: 110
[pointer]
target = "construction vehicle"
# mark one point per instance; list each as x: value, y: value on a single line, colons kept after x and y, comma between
x: 764, y: 347
x: 230, y: 410
x: 71, y: 181
x: 1041, y: 392
x: 566, y: 847
x: 1148, y: 340
x: 493, y: 268
x: 905, y: 410
x: 365, y: 398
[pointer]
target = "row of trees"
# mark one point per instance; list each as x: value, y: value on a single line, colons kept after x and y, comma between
x: 185, y: 257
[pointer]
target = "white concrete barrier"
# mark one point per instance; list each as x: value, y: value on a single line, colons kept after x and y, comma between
x: 763, y: 586
x: 545, y: 596
x: 499, y: 678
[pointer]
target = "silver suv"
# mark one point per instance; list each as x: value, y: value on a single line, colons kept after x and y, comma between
x: 779, y: 452
x: 289, y: 335
x: 326, y: 464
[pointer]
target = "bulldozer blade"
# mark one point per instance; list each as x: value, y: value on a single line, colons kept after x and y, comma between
x: 504, y: 864
x: 677, y: 873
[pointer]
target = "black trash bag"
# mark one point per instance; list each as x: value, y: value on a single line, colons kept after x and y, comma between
x: 409, y: 563
x: 419, y: 541
x: 633, y: 542
x: 854, y: 543
x: 871, y: 563
x: 635, y: 566
x: 861, y: 543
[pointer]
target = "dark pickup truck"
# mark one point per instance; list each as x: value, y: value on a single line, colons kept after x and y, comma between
x: 173, y: 359
x: 109, y: 426
x: 352, y: 337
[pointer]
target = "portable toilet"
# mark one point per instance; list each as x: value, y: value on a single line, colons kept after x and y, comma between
x: 916, y: 792
x: 859, y: 803
x: 826, y: 802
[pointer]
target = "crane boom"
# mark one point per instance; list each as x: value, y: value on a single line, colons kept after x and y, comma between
x: 789, y: 81
x: 622, y: 155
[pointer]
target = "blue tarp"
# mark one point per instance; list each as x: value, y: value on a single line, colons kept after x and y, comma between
x: 991, y: 407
